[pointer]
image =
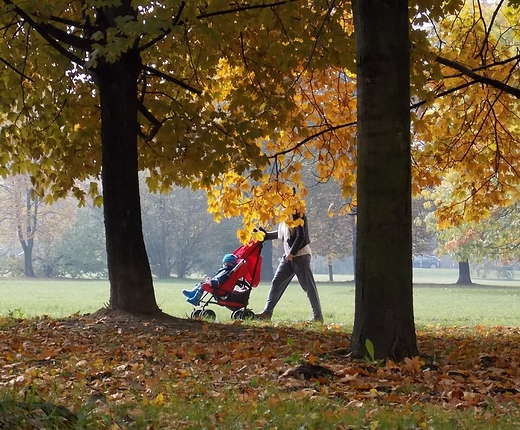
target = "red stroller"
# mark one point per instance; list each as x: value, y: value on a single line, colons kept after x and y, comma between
x: 235, y: 291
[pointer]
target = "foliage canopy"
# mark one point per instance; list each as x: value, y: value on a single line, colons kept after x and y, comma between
x: 224, y: 92
x: 237, y: 98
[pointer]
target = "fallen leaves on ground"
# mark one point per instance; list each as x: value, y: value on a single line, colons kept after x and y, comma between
x: 105, y: 361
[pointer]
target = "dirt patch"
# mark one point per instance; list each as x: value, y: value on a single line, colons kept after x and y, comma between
x: 161, y: 322
x: 143, y: 321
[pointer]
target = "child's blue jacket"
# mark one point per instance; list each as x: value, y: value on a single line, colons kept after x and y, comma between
x: 221, y: 276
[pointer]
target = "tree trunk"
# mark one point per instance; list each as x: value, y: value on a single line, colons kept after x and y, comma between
x: 131, y: 287
x: 384, y: 299
x: 27, y: 240
x: 464, y: 274
x: 331, y: 273
x: 27, y: 247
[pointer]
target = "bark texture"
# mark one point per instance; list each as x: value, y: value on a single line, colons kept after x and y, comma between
x: 384, y: 299
x: 131, y: 286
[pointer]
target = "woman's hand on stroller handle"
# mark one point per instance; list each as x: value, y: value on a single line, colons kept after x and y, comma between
x: 263, y: 230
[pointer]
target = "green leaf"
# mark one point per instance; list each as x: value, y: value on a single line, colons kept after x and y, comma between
x: 369, y: 346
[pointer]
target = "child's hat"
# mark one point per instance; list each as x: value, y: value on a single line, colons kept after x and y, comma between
x: 230, y: 259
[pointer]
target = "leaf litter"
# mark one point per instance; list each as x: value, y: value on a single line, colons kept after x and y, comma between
x: 104, y: 360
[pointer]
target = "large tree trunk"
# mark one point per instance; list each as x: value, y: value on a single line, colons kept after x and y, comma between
x: 131, y: 287
x: 384, y: 300
x: 464, y: 274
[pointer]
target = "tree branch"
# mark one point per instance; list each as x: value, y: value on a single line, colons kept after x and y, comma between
x: 40, y: 28
x: 479, y: 78
x: 457, y: 66
x: 177, y: 19
x: 68, y: 38
x: 309, y: 138
x: 16, y: 70
x: 71, y: 23
x: 152, y: 119
x: 243, y: 8
x: 488, y: 30
x: 175, y: 22
x: 169, y: 78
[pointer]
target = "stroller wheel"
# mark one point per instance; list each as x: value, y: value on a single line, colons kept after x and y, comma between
x: 208, y: 314
x: 236, y: 315
x: 248, y: 314
x: 196, y: 314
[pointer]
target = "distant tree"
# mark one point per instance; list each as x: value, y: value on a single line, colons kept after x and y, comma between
x: 494, y: 236
x: 158, y: 223
x: 20, y: 210
x: 174, y: 224
x: 331, y: 223
x: 181, y: 237
x: 81, y: 251
x: 41, y: 228
x: 54, y: 221
x: 221, y: 239
x: 424, y: 234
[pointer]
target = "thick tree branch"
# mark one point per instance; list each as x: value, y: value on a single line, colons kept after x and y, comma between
x: 152, y: 119
x: 40, y: 28
x: 479, y: 78
x: 75, y: 24
x: 68, y: 38
x: 169, y: 78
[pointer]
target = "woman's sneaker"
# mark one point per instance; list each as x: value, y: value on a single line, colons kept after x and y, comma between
x: 263, y: 316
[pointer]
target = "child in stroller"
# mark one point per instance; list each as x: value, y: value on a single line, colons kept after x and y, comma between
x: 194, y: 295
x: 231, y: 286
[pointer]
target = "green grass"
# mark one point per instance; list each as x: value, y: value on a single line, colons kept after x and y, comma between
x: 437, y: 301
x: 275, y: 408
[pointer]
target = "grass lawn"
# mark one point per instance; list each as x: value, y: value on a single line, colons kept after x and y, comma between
x: 437, y: 301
